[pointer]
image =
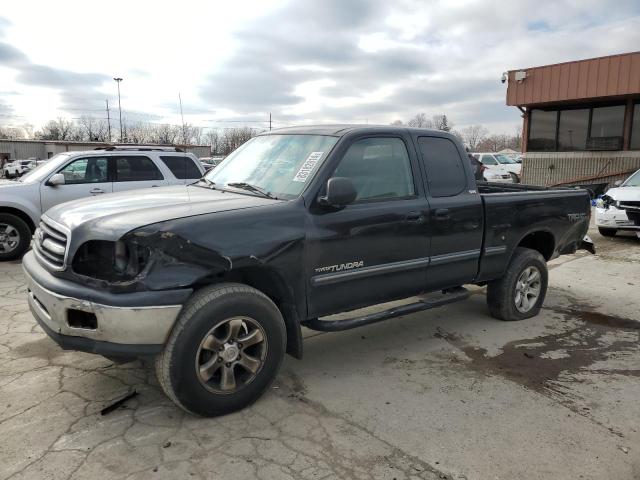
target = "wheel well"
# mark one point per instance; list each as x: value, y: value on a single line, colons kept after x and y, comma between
x: 540, y: 241
x: 269, y: 282
x: 21, y: 215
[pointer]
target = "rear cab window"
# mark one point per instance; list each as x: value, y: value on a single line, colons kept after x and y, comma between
x: 181, y: 166
x: 446, y: 175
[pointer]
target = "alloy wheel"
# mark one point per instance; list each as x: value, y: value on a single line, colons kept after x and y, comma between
x: 231, y: 354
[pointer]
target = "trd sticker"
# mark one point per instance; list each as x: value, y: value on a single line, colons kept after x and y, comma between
x: 307, y: 167
x: 576, y: 217
x: 340, y: 267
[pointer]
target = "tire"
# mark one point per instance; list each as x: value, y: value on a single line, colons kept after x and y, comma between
x: 15, y: 237
x: 502, y: 294
x: 199, y: 338
x: 514, y: 177
x: 607, y: 232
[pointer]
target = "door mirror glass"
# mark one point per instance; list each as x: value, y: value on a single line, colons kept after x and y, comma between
x: 617, y: 183
x: 56, y: 179
x: 340, y: 192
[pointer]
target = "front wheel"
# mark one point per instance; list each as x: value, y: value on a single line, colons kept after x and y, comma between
x: 224, y: 351
x: 607, y: 232
x: 15, y: 237
x: 519, y: 294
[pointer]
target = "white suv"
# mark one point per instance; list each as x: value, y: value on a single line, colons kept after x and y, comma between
x: 72, y: 175
x: 17, y: 167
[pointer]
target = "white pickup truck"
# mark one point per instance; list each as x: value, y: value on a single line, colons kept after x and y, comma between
x: 72, y: 175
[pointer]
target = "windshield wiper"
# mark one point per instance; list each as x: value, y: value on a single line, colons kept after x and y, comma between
x: 251, y: 188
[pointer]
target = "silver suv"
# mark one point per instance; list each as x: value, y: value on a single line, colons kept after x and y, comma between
x: 72, y: 175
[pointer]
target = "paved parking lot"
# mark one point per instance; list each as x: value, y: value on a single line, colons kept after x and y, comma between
x: 448, y: 393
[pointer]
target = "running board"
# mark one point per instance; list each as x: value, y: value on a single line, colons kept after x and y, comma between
x: 427, y: 302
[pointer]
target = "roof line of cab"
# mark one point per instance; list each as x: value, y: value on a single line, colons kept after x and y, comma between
x: 340, y: 130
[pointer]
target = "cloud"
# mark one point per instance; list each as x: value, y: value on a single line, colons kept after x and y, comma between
x: 67, y: 82
x: 384, y: 60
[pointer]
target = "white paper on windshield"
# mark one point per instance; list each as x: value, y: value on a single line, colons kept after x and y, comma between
x: 307, y: 167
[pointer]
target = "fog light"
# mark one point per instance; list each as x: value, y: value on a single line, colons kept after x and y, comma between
x: 81, y: 319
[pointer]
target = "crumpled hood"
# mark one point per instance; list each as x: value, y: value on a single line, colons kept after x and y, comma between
x: 622, y: 194
x: 112, y: 215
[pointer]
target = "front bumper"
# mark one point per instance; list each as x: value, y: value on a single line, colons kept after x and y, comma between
x: 127, y: 325
x: 613, y: 217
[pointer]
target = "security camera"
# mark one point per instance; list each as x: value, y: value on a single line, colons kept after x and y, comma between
x: 504, y: 77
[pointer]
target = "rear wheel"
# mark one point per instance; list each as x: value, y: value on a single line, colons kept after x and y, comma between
x: 224, y: 351
x: 15, y: 237
x: 519, y: 294
x: 607, y: 232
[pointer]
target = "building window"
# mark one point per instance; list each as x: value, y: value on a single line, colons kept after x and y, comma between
x: 635, y: 128
x: 573, y: 128
x: 607, y: 124
x: 542, y: 130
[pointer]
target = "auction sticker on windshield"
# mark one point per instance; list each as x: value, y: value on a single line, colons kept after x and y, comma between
x: 307, y: 167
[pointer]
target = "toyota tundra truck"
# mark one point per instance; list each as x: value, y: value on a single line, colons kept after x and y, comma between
x: 216, y: 279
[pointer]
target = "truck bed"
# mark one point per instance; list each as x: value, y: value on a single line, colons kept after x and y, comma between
x: 556, y: 219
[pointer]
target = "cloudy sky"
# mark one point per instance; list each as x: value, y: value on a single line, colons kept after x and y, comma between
x: 317, y: 61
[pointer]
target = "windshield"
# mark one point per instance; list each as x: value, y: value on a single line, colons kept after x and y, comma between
x: 633, y: 180
x: 41, y: 171
x: 505, y: 159
x: 280, y: 165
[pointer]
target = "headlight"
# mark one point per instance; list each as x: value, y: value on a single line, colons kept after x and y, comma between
x: 606, y: 201
x: 111, y: 261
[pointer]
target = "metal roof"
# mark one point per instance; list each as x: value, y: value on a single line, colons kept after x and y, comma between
x: 601, y: 78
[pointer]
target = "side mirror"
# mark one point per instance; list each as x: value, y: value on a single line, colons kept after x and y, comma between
x: 617, y: 183
x: 340, y: 192
x: 56, y: 179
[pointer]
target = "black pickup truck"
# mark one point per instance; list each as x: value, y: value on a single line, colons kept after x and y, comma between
x: 216, y: 279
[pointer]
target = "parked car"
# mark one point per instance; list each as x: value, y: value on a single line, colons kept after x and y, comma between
x: 215, y: 279
x: 501, y: 163
x: 619, y: 208
x: 16, y: 168
x: 484, y: 174
x: 72, y: 175
x: 210, y: 162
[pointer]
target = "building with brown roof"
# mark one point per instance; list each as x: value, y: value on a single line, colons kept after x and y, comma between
x: 581, y: 119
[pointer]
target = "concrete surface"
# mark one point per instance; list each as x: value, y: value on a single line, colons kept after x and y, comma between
x: 450, y: 393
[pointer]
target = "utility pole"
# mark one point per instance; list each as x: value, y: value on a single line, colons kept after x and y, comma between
x: 108, y: 120
x: 269, y: 122
x: 118, y: 80
x: 184, y: 132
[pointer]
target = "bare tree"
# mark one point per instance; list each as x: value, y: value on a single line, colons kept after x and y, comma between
x: 138, y: 132
x: 93, y: 130
x: 420, y: 120
x: 232, y: 138
x: 472, y: 135
x: 165, y: 134
x: 214, y: 140
x: 12, y: 133
x: 397, y: 122
x: 60, y: 129
x: 191, y: 135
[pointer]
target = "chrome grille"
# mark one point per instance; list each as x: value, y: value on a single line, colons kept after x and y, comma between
x: 50, y: 244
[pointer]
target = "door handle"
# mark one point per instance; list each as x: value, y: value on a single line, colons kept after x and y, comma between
x: 442, y: 214
x: 154, y: 186
x: 415, y: 217
x: 95, y: 191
